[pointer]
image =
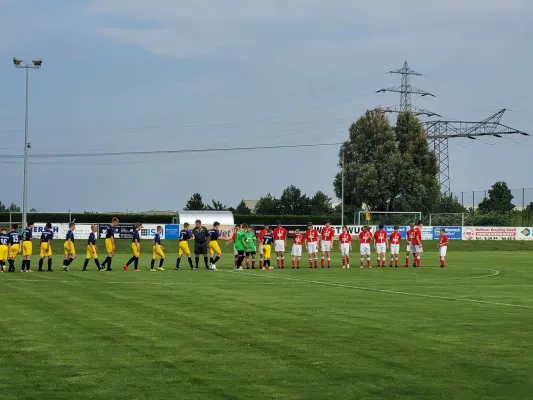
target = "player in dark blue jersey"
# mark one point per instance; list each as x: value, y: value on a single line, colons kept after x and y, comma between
x: 135, y: 248
x: 4, y: 248
x: 27, y: 248
x: 68, y: 247
x: 46, y: 247
x: 183, y: 248
x: 157, y: 250
x: 214, y: 247
x: 92, y: 251
x: 110, y: 243
x: 14, y: 246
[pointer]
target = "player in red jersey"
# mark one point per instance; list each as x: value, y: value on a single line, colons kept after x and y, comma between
x: 260, y: 240
x: 232, y: 240
x: 326, y: 243
x: 418, y: 243
x: 311, y: 242
x: 280, y: 242
x: 411, y: 234
x: 345, y: 246
x: 380, y: 245
x: 394, y: 240
x: 443, y: 246
x: 296, y: 252
x: 364, y: 239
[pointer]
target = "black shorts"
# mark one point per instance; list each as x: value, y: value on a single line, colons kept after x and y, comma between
x: 250, y: 253
x: 240, y: 252
x: 200, y: 248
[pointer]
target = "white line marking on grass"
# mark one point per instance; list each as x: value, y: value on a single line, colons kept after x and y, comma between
x: 494, y: 272
x: 334, y: 284
x: 153, y: 283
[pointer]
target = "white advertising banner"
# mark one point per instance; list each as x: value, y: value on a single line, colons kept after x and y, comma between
x: 354, y: 230
x: 148, y: 231
x: 490, y: 233
x: 427, y: 233
x: 82, y: 231
x: 524, y: 233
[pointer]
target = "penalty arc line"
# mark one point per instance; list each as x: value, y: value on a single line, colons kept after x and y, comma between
x: 367, y: 289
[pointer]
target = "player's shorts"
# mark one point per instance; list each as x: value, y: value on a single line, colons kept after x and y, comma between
x: 381, y: 248
x: 326, y: 245
x: 27, y: 248
x: 279, y: 245
x: 43, y: 252
x: 235, y: 251
x: 200, y: 248
x: 395, y: 249
x: 157, y: 252
x: 408, y: 248
x: 411, y: 248
x: 184, y: 248
x: 14, y: 250
x: 250, y: 253
x: 345, y: 249
x: 312, y: 247
x: 68, y: 250
x: 108, y: 245
x: 267, y: 250
x: 365, y: 249
x: 260, y: 249
x: 3, y: 252
x: 90, y: 254
x: 214, y: 247
x: 135, y: 250
x: 296, y: 250
x: 442, y: 251
x: 419, y: 249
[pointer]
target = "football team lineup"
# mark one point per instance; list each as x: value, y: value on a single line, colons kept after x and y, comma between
x: 247, y: 245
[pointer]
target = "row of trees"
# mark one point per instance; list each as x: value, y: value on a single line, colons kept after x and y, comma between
x: 12, y: 208
x: 292, y: 202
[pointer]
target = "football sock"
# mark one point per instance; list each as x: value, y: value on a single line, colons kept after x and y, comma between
x: 49, y: 264
x: 41, y: 264
x: 205, y: 262
x: 282, y: 261
x: 196, y: 261
x: 253, y: 263
x: 362, y: 263
x: 407, y: 261
x: 152, y: 263
x: 23, y: 265
x: 368, y: 261
x: 293, y: 262
x: 211, y: 260
x: 85, y: 263
x: 442, y: 261
x: 343, y: 261
x: 136, y: 263
x: 298, y: 263
x: 109, y: 263
x: 247, y: 263
x: 132, y: 259
x: 11, y: 265
x: 347, y: 261
x: 316, y: 263
x: 105, y: 262
x: 279, y: 261
x: 322, y: 261
x: 329, y: 262
x: 216, y: 259
x: 28, y: 265
x: 310, y: 263
x: 161, y: 263
x: 239, y: 261
x: 178, y: 260
x: 97, y: 263
x: 379, y: 262
x: 190, y: 261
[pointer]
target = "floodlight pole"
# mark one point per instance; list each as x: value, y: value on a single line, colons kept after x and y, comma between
x: 342, y: 190
x: 36, y: 65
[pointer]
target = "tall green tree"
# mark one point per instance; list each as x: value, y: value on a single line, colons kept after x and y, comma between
x: 195, y: 203
x: 242, y: 209
x: 267, y: 205
x: 450, y: 204
x: 293, y: 202
x: 320, y: 204
x: 418, y: 183
x: 371, y: 162
x: 14, y: 208
x: 499, y: 199
x: 216, y: 206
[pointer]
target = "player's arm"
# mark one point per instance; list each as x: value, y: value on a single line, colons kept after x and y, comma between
x: 350, y: 242
x: 113, y: 242
x: 69, y: 241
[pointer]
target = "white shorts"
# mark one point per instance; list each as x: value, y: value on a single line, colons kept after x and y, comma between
x: 326, y: 245
x: 261, y: 250
x: 279, y: 245
x: 408, y: 248
x: 412, y: 248
x: 365, y: 249
x: 381, y: 248
x: 345, y: 249
x: 296, y: 250
x: 312, y: 247
x: 418, y: 249
x: 235, y: 252
x: 395, y: 249
x: 442, y: 251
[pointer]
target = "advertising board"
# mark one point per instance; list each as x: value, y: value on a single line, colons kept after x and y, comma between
x: 122, y: 231
x: 489, y: 233
x: 452, y: 232
x: 524, y: 233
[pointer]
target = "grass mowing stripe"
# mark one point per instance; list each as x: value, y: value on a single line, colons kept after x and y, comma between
x: 335, y: 284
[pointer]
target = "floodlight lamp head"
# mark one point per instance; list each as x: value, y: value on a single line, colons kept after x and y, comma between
x: 17, y: 61
x: 37, y: 62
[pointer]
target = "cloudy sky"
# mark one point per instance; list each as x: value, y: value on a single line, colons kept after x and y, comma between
x: 138, y: 75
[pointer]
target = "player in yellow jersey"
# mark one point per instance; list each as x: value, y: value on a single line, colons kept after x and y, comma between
x: 135, y: 248
x: 4, y: 248
x: 14, y: 246
x: 110, y: 243
x: 92, y: 251
x: 157, y: 250
x: 214, y: 247
x: 27, y: 248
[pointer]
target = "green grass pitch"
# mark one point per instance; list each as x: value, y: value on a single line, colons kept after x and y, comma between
x: 463, y: 332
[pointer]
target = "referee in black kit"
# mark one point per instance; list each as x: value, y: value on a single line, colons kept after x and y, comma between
x: 201, y: 236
